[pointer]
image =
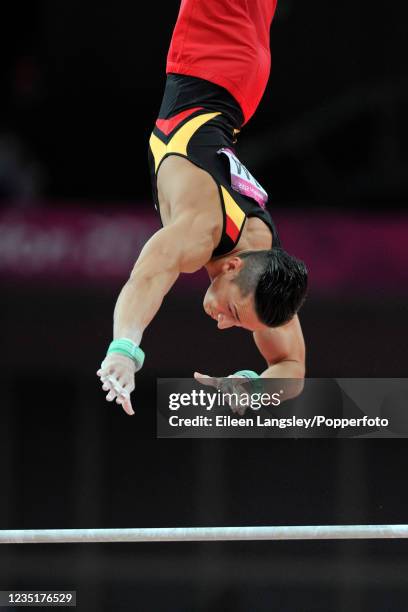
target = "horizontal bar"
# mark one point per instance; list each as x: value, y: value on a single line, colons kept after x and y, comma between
x: 203, y: 534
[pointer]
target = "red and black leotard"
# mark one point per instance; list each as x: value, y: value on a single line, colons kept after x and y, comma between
x: 216, y: 77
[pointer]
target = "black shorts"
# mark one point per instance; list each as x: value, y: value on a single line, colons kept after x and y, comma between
x: 200, y: 121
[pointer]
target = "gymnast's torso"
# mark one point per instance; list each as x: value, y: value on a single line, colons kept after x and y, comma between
x: 175, y: 195
x: 193, y: 143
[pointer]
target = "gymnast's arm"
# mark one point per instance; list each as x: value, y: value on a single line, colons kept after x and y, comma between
x: 185, y: 245
x: 284, y: 351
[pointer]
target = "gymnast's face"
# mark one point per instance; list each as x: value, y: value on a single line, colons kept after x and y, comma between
x: 225, y: 303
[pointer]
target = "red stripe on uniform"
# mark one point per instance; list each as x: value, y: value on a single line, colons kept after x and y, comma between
x: 167, y: 125
x: 231, y: 229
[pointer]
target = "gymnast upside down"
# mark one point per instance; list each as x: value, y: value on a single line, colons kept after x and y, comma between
x: 213, y: 211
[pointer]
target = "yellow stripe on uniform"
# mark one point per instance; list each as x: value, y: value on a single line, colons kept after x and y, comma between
x: 158, y: 149
x: 180, y: 140
x: 234, y: 212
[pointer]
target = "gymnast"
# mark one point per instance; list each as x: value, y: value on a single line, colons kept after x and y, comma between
x: 213, y: 211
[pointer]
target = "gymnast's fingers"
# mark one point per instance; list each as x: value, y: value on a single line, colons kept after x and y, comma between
x: 124, y: 400
x: 209, y: 381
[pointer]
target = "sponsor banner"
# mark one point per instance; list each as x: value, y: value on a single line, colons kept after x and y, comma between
x: 366, y: 254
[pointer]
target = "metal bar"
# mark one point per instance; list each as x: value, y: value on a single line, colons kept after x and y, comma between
x: 203, y: 534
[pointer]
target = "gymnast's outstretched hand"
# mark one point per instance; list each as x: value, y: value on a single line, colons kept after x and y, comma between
x: 230, y: 385
x: 117, y: 374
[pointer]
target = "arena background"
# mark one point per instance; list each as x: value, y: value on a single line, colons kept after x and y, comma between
x: 81, y: 86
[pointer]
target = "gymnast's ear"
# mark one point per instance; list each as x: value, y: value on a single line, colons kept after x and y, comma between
x: 233, y: 264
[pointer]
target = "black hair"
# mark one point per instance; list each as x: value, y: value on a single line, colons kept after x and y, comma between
x: 277, y: 280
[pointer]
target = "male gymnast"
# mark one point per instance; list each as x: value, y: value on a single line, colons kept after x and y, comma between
x: 212, y: 210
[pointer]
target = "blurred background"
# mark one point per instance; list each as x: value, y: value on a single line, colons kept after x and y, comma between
x: 81, y: 85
